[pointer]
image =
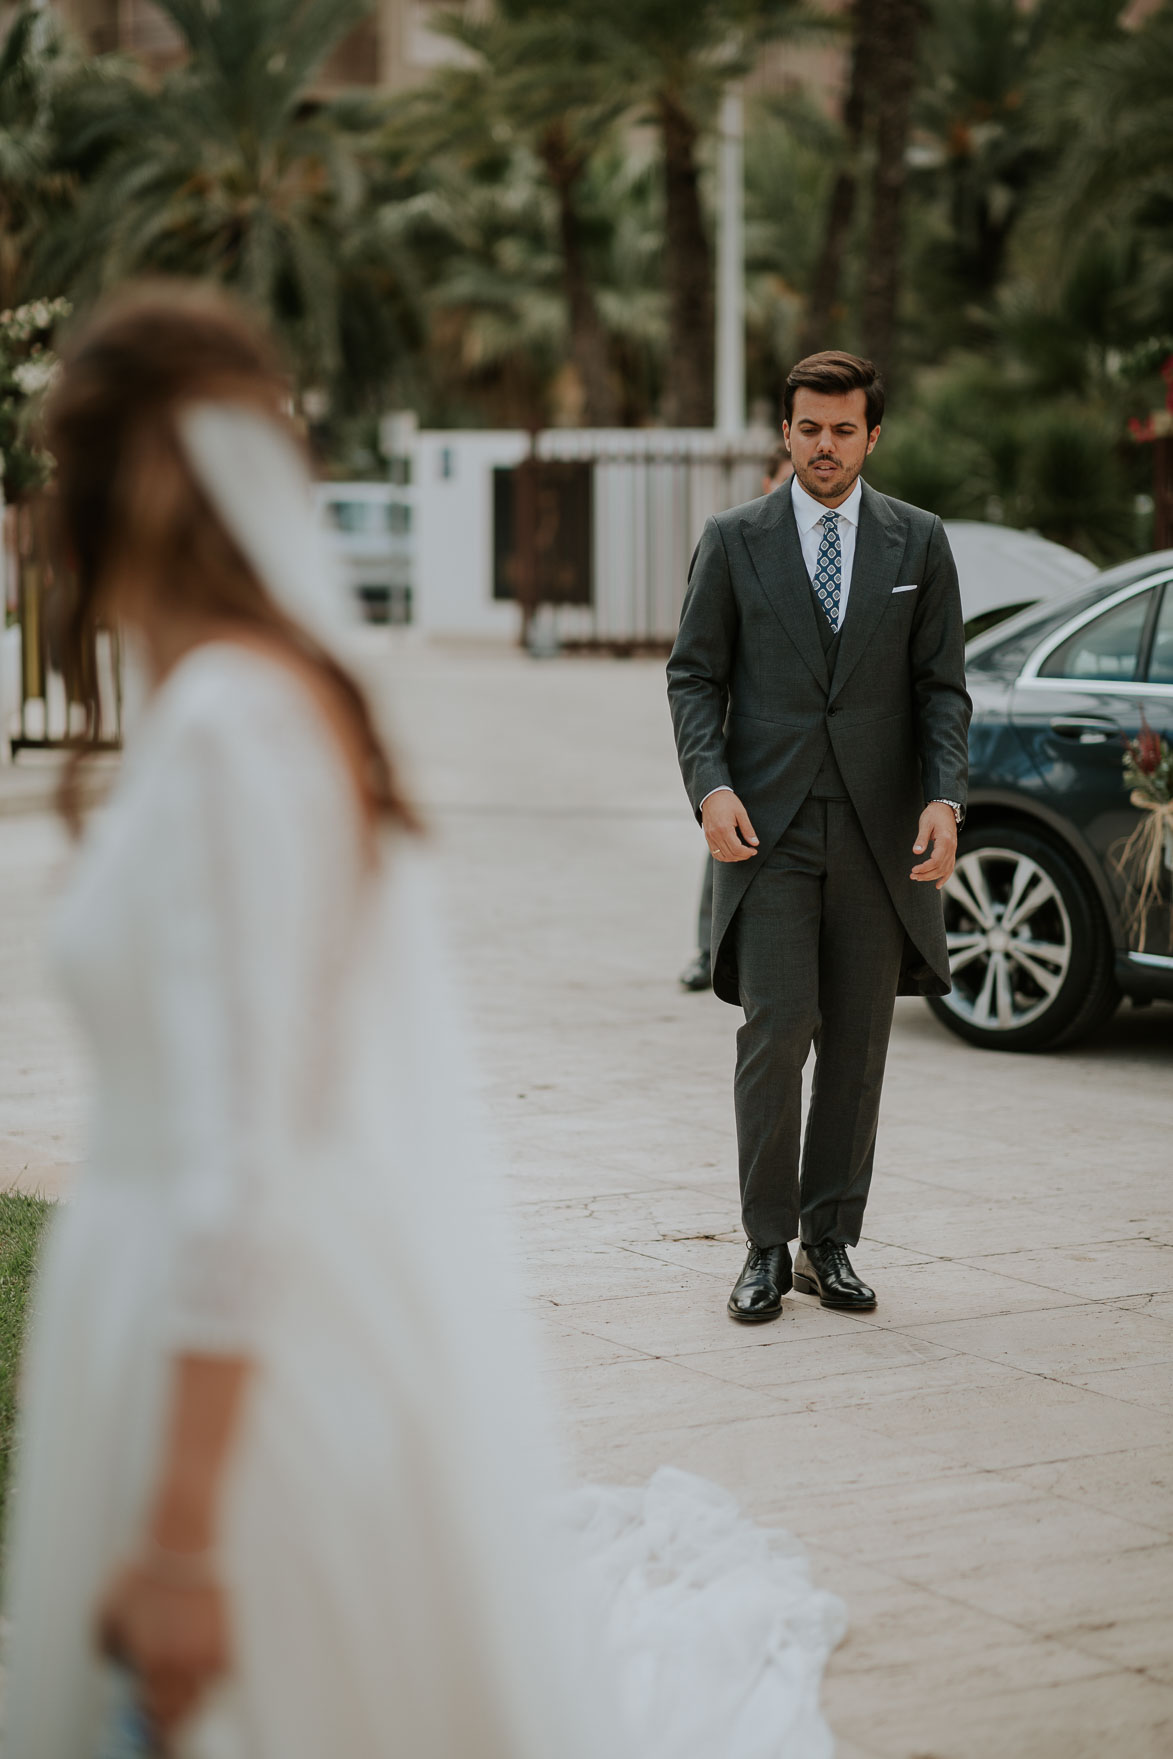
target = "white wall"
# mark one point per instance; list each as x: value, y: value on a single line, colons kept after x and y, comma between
x: 452, y: 490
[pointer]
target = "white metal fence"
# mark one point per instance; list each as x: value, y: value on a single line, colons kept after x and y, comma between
x: 653, y: 490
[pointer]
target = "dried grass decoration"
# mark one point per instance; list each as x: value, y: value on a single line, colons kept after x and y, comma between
x: 1148, y: 774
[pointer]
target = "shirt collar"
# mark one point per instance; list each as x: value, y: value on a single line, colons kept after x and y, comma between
x: 808, y: 511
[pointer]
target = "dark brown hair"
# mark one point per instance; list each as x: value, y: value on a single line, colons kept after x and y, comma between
x: 130, y: 509
x: 833, y: 373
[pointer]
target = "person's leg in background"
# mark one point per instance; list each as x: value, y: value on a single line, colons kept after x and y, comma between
x: 698, y: 973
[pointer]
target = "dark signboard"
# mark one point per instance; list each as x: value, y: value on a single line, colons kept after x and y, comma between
x: 542, y: 530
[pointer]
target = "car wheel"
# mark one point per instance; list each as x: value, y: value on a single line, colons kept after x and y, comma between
x: 1029, y: 949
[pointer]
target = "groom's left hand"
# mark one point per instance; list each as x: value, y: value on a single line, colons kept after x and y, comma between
x: 938, y: 826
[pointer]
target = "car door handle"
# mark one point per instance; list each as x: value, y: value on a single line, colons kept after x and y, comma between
x: 1089, y: 730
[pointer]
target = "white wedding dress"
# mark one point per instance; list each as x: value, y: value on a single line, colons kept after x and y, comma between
x: 286, y: 1162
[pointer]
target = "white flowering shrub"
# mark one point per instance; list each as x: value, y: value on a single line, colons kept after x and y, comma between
x: 27, y: 367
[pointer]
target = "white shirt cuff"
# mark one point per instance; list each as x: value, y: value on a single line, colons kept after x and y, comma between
x: 723, y: 789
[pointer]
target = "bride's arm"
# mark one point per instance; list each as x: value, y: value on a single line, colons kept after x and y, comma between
x: 206, y: 1398
x: 236, y: 923
x: 165, y: 1615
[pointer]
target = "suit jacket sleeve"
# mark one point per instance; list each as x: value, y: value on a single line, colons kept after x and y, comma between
x: 699, y: 669
x: 937, y: 654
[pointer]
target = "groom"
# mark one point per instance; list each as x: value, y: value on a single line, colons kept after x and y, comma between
x: 817, y: 688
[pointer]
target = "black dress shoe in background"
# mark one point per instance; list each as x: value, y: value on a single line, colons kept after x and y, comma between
x: 698, y: 974
x: 758, y: 1291
x: 825, y: 1271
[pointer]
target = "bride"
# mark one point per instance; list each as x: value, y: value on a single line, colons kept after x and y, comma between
x: 284, y: 1486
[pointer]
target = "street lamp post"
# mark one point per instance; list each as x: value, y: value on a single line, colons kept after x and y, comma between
x: 730, y: 350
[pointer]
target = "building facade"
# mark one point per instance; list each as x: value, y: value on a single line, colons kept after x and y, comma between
x: 391, y: 50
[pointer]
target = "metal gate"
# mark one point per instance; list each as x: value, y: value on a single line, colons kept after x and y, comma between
x: 651, y: 492
x: 53, y: 694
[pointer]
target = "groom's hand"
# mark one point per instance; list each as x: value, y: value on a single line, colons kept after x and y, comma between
x: 938, y: 826
x: 727, y: 829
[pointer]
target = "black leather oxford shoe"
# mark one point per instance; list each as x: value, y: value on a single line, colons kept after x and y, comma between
x: 825, y: 1271
x: 758, y: 1291
x: 697, y: 974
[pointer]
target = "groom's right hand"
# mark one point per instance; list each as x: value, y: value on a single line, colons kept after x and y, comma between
x: 727, y: 829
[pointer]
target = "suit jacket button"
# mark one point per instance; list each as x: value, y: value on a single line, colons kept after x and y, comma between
x: 832, y: 711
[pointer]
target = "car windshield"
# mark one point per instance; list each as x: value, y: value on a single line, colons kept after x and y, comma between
x: 1022, y: 634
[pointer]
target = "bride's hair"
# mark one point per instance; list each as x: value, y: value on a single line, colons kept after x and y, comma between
x: 129, y: 507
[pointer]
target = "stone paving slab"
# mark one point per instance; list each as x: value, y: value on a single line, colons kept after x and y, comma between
x: 983, y: 1468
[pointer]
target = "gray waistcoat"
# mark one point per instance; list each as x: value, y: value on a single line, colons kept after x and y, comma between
x: 829, y: 784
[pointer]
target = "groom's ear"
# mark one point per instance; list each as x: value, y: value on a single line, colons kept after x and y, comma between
x: 873, y: 437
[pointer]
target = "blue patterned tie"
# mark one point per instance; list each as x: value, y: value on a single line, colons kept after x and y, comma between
x: 828, y: 579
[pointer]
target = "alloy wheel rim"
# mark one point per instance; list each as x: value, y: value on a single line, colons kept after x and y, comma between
x: 1009, y: 939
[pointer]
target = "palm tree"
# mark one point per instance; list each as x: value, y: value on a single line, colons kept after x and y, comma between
x: 228, y: 168
x: 1109, y: 119
x: 981, y: 152
x: 671, y: 60
x: 824, y: 289
x: 790, y: 152
x: 33, y: 61
x: 492, y: 291
x: 885, y: 36
x: 533, y: 78
x: 481, y: 237
x: 895, y: 33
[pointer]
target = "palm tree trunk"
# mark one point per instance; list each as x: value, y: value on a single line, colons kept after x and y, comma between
x: 688, y: 272
x: 896, y: 25
x: 588, y: 339
x: 818, y: 327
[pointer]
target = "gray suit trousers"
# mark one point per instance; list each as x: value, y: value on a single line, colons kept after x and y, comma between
x: 819, y: 946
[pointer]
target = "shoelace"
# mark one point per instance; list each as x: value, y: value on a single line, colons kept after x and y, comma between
x: 835, y: 1260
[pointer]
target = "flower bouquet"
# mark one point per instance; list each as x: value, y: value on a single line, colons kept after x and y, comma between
x: 1148, y: 775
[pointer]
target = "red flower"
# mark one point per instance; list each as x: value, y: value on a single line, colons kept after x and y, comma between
x: 1146, y: 749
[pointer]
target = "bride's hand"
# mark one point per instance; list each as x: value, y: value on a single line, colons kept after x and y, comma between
x: 165, y: 1615
x: 166, y: 1619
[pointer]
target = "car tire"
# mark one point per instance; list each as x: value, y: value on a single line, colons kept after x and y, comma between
x: 1032, y: 958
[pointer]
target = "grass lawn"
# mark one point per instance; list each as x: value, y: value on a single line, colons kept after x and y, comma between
x: 21, y: 1221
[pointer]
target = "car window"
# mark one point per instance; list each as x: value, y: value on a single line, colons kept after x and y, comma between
x: 1105, y: 650
x: 348, y: 516
x: 1030, y: 630
x: 1161, y: 663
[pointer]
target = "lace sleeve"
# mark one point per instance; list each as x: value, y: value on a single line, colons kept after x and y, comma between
x: 239, y: 902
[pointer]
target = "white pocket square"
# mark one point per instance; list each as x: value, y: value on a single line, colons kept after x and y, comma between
x: 911, y: 588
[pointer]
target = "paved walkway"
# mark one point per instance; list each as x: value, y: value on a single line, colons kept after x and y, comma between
x: 983, y: 1468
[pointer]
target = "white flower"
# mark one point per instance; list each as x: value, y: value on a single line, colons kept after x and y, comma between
x: 34, y: 375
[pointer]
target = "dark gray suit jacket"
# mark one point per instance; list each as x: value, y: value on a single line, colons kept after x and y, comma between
x: 754, y: 703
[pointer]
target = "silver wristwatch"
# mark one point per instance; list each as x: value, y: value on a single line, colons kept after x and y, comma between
x: 958, y: 811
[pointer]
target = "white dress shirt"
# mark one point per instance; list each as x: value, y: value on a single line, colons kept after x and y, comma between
x: 807, y: 515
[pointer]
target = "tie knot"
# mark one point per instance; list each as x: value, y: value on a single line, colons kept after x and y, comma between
x: 828, y: 520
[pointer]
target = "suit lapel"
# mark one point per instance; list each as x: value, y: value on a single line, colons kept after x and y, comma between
x: 771, y: 537
x: 879, y: 545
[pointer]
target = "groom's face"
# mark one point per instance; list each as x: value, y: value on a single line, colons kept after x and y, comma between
x: 829, y: 440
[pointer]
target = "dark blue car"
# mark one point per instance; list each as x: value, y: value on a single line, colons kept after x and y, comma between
x: 1038, y: 913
